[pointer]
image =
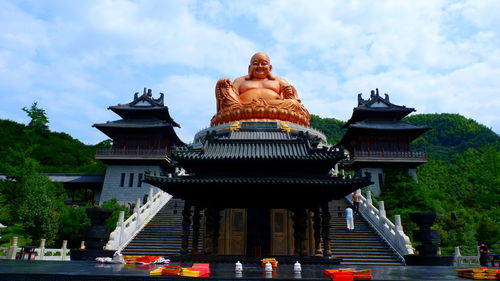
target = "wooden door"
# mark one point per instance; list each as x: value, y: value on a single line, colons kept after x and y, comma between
x: 279, y: 232
x: 236, y: 238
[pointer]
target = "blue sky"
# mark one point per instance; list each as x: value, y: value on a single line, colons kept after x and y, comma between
x: 76, y: 58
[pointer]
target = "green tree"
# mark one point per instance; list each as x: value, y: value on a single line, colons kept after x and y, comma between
x: 331, y: 127
x: 116, y: 208
x: 72, y: 224
x: 38, y: 209
x: 38, y: 117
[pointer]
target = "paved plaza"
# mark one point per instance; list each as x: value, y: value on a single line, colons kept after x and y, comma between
x: 85, y: 270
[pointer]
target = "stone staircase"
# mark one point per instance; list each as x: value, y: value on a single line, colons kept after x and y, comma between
x: 362, y: 246
x: 162, y: 235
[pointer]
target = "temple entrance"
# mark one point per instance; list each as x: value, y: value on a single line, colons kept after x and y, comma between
x: 280, y: 230
x: 258, y: 232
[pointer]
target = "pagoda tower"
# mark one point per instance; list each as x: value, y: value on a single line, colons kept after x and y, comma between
x: 260, y: 173
x: 142, y: 141
x: 376, y: 138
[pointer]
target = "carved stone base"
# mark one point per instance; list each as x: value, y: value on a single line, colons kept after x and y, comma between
x: 260, y: 113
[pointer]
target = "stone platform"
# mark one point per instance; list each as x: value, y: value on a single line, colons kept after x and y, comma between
x: 13, y: 270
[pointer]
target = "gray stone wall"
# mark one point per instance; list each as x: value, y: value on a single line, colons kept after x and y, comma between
x: 378, y: 178
x: 377, y: 174
x: 122, y: 182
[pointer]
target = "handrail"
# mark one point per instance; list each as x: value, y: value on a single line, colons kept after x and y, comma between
x: 126, y: 230
x: 42, y: 253
x: 390, y: 154
x: 131, y: 151
x: 393, y: 234
x: 469, y: 260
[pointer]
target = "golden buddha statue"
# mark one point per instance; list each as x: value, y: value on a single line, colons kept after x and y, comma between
x: 258, y: 96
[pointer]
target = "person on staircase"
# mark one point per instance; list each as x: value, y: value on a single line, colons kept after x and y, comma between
x: 349, y: 218
x: 356, y: 199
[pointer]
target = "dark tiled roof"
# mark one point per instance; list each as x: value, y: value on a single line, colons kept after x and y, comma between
x: 387, y: 125
x: 382, y: 127
x: 377, y: 107
x: 131, y: 123
x: 234, y: 149
x: 194, y: 180
x: 244, y: 145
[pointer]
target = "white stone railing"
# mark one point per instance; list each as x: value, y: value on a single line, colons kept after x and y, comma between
x: 392, y: 233
x: 125, y: 231
x: 466, y: 260
x: 42, y: 253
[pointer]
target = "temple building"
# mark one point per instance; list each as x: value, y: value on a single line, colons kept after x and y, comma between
x: 142, y: 140
x: 376, y: 138
x: 260, y: 173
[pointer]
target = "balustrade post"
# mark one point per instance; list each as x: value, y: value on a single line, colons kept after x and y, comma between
x: 369, y: 198
x: 120, y: 226
x: 137, y: 212
x: 42, y: 249
x: 457, y: 255
x: 150, y: 200
x: 381, y: 209
x: 397, y: 223
x: 150, y: 196
x: 64, y: 249
x: 11, y: 254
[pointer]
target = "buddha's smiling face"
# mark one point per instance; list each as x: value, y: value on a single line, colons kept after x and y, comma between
x: 260, y: 66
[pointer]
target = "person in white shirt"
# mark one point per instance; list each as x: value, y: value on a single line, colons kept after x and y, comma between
x: 349, y: 218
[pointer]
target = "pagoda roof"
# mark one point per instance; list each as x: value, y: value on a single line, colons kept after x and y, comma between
x: 256, y: 145
x: 248, y: 191
x: 257, y: 151
x: 388, y: 126
x: 134, y: 123
x: 394, y: 127
x: 378, y: 108
x: 134, y: 127
x: 144, y: 107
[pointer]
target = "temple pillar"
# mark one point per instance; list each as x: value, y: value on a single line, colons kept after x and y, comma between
x: 318, y: 250
x: 212, y: 230
x: 325, y: 223
x: 299, y: 231
x: 186, y: 223
x: 196, y: 229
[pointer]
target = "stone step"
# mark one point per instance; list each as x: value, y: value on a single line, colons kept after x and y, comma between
x: 162, y: 235
x: 362, y: 246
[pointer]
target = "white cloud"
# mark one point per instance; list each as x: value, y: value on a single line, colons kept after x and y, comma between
x: 78, y: 58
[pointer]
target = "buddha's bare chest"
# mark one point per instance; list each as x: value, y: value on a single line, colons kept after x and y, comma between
x: 264, y: 84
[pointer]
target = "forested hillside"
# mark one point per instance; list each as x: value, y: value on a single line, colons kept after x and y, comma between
x: 54, y: 152
x: 30, y: 204
x: 461, y: 181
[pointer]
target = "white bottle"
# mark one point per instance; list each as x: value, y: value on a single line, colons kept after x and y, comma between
x: 297, y: 267
x: 238, y: 267
x: 268, y: 267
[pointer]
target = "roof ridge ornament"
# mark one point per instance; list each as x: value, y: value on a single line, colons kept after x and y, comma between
x: 147, y: 95
x: 235, y: 126
x: 284, y: 127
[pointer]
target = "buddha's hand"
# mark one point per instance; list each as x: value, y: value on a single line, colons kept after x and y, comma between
x: 289, y: 92
x: 224, y: 83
